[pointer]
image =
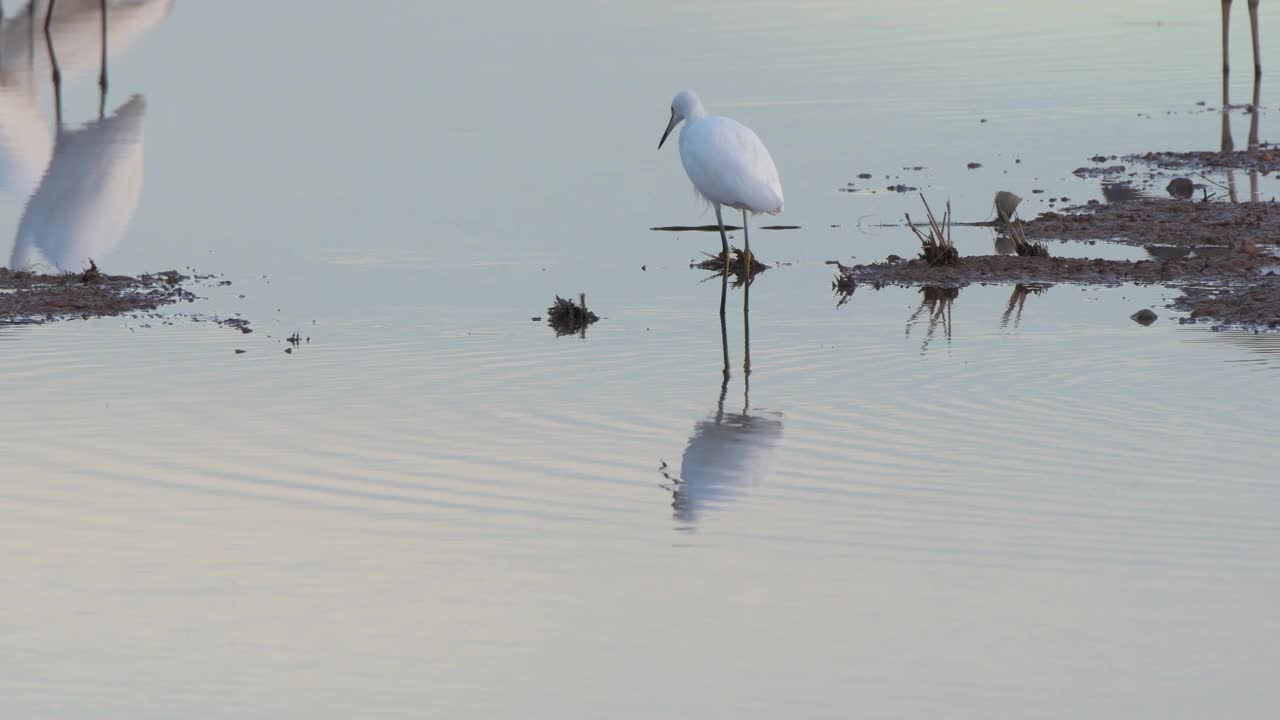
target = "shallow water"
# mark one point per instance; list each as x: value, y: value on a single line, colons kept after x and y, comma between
x: 435, y: 507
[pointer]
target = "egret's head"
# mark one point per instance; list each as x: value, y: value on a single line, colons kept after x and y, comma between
x: 685, y: 105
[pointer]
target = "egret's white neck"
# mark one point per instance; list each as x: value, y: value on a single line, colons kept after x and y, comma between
x: 695, y: 113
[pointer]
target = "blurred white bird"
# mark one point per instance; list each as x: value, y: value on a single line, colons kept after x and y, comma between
x: 727, y: 163
x: 87, y: 197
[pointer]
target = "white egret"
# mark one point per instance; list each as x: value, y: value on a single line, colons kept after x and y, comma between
x: 728, y: 164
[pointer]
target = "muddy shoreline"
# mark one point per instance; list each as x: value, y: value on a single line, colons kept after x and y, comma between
x: 1238, y: 290
x: 1164, y: 222
x: 36, y: 298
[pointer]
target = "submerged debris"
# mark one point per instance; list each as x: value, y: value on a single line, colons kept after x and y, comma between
x: 569, y: 318
x: 737, y: 266
x: 29, y: 297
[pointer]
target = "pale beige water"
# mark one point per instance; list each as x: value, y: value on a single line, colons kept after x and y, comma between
x: 435, y: 508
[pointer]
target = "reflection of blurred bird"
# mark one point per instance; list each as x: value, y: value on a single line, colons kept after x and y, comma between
x: 726, y: 452
x: 87, y: 197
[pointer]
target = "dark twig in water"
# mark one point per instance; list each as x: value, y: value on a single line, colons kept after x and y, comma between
x: 569, y: 318
x: 936, y: 247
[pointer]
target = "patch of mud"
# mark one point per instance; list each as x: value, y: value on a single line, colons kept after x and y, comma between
x: 1165, y: 221
x: 1107, y: 171
x: 1266, y: 159
x: 1236, y: 289
x: 1237, y: 304
x: 27, y: 297
x: 1013, y: 269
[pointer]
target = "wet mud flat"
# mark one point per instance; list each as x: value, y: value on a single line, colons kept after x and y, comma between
x: 34, y: 298
x: 1238, y: 289
x: 1265, y: 159
x: 1165, y: 222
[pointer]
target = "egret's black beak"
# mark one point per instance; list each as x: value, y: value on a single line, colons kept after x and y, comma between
x: 670, y: 125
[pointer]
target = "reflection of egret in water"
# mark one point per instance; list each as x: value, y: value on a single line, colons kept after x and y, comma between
x: 88, y: 178
x: 88, y: 195
x: 727, y: 452
x: 1017, y: 299
x: 937, y: 302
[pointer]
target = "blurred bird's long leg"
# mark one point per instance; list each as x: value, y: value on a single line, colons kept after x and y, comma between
x: 746, y: 248
x: 1253, y: 27
x: 1226, y: 35
x: 53, y: 61
x: 102, y: 67
x: 1256, y: 113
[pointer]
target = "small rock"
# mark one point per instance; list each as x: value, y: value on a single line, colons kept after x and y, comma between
x: 536, y: 318
x: 974, y: 165
x: 1144, y: 317
x: 239, y: 351
x: 864, y: 176
x: 893, y: 259
x: 1181, y: 188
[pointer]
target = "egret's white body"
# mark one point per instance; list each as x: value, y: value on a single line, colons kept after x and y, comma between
x: 727, y: 163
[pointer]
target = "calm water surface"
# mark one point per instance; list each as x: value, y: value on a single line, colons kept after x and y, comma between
x: 1006, y: 505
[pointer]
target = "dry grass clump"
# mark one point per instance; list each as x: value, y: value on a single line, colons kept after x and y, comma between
x: 936, y: 247
x: 1006, y: 210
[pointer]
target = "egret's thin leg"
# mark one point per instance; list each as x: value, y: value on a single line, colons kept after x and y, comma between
x: 724, y: 332
x: 53, y: 61
x: 746, y: 327
x: 1253, y: 26
x: 746, y: 248
x: 102, y: 67
x: 724, y: 268
x: 1226, y: 24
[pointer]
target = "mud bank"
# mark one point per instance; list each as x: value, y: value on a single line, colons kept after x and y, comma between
x: 31, y: 298
x: 1266, y: 159
x: 1237, y: 289
x: 1165, y: 222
